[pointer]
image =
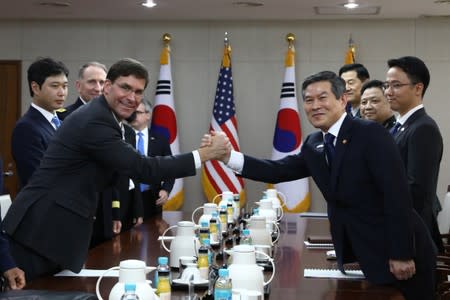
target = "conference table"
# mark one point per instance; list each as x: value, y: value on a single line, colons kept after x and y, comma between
x: 291, y: 258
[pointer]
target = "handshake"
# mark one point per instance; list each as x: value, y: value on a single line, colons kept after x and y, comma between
x: 215, y: 145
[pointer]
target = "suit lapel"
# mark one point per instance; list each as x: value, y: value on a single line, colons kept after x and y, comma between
x: 36, y: 115
x: 404, y: 128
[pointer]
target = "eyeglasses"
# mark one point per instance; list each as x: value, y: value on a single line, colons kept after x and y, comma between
x: 394, y: 85
x: 129, y: 90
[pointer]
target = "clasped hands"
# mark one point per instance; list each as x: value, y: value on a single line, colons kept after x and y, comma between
x: 215, y: 145
x: 402, y: 269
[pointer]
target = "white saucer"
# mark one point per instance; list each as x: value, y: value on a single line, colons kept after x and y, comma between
x: 197, y: 282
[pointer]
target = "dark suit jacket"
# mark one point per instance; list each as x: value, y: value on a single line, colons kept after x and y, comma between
x: 1, y: 176
x: 30, y: 139
x: 70, y: 109
x: 369, y: 206
x: 6, y: 261
x: 158, y: 145
x: 420, y: 143
x: 53, y: 214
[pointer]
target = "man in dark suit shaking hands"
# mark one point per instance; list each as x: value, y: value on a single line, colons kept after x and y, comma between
x: 417, y: 136
x: 357, y: 166
x: 49, y: 224
x: 47, y: 81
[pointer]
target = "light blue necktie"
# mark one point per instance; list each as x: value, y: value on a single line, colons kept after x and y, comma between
x: 141, y: 149
x: 56, y: 121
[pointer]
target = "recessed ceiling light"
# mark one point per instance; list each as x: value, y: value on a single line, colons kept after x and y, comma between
x: 248, y: 3
x: 149, y: 4
x: 54, y: 3
x: 351, y: 4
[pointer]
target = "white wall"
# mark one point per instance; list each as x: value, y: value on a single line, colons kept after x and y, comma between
x: 258, y: 56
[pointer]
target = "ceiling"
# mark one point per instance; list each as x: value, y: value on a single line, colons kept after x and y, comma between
x: 218, y: 9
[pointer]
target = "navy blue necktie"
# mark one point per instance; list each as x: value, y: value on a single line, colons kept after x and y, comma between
x: 348, y: 109
x: 141, y: 149
x: 396, y: 127
x: 330, y: 150
x: 56, y: 121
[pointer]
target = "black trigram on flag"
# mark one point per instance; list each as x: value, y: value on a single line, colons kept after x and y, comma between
x: 163, y: 87
x: 288, y: 90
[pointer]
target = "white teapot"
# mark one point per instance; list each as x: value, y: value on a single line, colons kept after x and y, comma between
x: 259, y: 232
x: 266, y: 210
x: 273, y: 194
x: 244, y: 272
x: 208, y: 209
x: 130, y: 271
x: 185, y: 242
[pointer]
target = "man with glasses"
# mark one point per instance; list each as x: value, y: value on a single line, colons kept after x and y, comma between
x: 49, y: 224
x: 374, y: 105
x: 417, y: 136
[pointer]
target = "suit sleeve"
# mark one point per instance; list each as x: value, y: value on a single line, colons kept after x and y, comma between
x: 291, y: 167
x: 104, y: 144
x: 167, y: 185
x: 389, y: 176
x: 6, y: 260
x: 28, y: 149
x: 424, y: 155
x: 137, y: 206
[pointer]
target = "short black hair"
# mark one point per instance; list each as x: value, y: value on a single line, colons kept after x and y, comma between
x: 415, y: 69
x: 42, y: 68
x: 337, y: 83
x: 361, y: 72
x: 126, y: 67
x: 372, y: 84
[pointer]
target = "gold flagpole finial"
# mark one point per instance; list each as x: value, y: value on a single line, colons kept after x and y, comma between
x: 166, y: 38
x: 290, y: 38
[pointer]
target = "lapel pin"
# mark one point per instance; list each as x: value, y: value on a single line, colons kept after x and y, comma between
x: 344, y: 141
x: 402, y: 129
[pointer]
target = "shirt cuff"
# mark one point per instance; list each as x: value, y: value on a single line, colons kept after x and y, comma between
x: 197, y: 160
x: 236, y: 161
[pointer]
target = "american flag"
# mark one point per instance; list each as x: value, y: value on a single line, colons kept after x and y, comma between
x: 216, y: 177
